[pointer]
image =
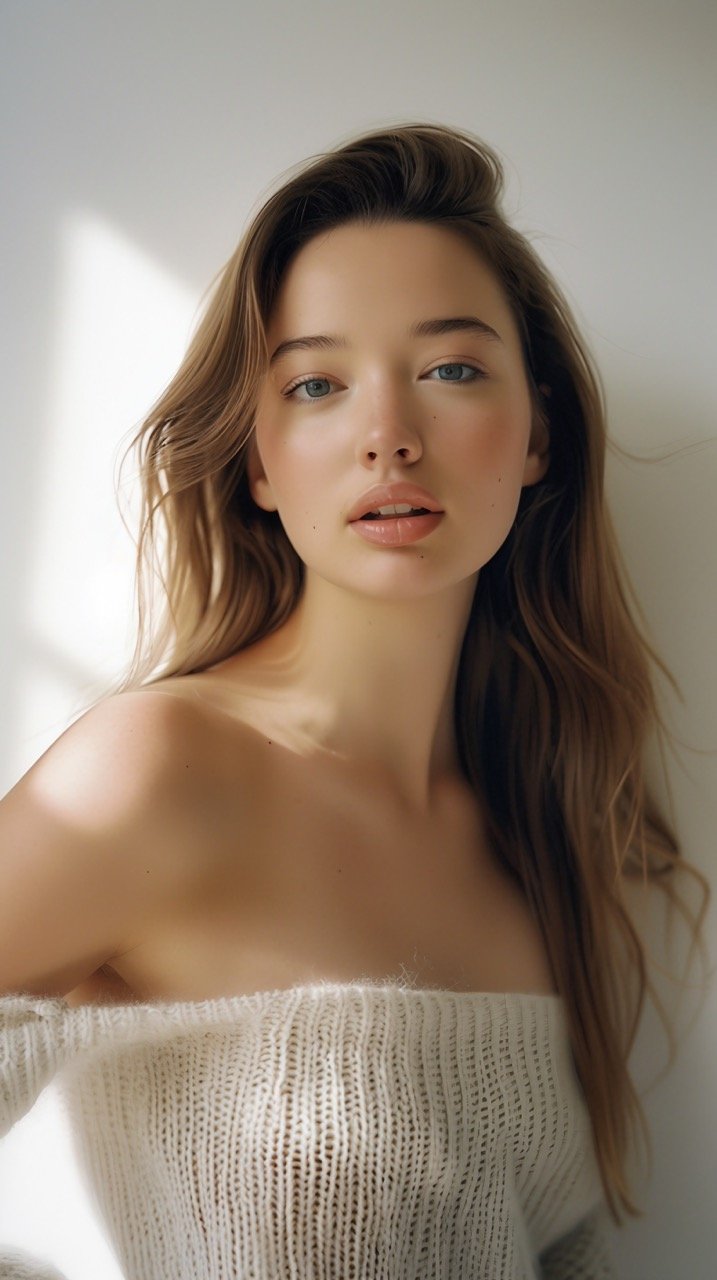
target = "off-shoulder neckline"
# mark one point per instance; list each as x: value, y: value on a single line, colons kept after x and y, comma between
x: 320, y: 988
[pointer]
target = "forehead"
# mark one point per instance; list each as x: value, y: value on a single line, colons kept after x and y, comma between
x: 405, y: 269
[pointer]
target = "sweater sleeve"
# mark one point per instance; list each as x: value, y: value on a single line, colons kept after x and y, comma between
x: 583, y: 1253
x: 33, y: 1044
x: 15, y: 1264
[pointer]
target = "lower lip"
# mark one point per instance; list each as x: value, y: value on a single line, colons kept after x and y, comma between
x: 399, y: 530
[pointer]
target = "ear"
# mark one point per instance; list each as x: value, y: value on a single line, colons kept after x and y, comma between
x: 538, y: 457
x: 259, y: 486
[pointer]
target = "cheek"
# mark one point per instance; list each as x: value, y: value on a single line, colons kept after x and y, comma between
x: 493, y: 452
x: 299, y: 483
x: 300, y: 477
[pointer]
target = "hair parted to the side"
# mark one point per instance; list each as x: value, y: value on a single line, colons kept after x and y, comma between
x: 555, y: 698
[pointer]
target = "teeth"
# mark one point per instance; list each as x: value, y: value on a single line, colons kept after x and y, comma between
x: 396, y: 509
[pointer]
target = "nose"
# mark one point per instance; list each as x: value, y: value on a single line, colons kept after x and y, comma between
x: 388, y: 436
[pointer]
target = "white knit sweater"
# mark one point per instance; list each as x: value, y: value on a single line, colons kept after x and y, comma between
x: 352, y: 1131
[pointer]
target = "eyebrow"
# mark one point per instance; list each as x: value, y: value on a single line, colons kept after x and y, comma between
x: 421, y: 329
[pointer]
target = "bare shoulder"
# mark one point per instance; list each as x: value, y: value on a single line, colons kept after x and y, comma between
x: 165, y: 738
x: 136, y: 762
x: 137, y: 739
x: 107, y: 760
x: 200, y: 761
x: 85, y: 836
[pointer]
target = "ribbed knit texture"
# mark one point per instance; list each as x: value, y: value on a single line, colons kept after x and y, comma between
x: 350, y: 1131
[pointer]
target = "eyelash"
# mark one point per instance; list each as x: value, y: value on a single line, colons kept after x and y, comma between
x: 461, y: 364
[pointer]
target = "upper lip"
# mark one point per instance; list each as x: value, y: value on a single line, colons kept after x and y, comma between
x: 384, y: 495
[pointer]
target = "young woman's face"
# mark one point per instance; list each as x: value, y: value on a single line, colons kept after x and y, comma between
x: 450, y: 412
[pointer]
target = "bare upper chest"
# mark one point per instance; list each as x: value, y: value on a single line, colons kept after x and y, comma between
x: 307, y: 872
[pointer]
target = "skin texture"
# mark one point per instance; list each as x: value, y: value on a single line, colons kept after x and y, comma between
x: 364, y: 670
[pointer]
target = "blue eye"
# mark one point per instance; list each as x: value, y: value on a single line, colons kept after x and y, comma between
x: 453, y: 364
x: 306, y: 382
x: 456, y: 364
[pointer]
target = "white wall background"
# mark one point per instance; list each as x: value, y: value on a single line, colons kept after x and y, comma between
x: 138, y: 140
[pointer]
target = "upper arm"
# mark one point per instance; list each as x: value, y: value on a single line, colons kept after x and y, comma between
x: 79, y: 839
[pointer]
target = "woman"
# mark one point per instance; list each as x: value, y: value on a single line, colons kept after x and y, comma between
x: 376, y: 781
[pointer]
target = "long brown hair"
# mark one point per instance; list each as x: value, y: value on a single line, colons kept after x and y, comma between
x: 555, y: 699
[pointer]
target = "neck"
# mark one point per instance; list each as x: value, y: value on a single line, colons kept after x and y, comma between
x: 372, y: 683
